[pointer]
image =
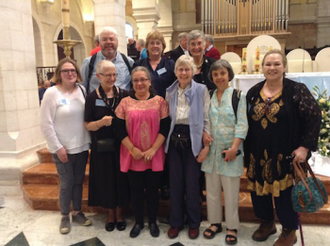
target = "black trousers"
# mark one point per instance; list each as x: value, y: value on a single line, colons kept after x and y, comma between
x: 144, y: 186
x: 263, y: 208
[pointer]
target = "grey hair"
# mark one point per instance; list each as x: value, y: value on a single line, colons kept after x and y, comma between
x: 97, y: 38
x: 141, y: 69
x: 109, y: 29
x: 220, y: 64
x: 209, y: 38
x: 186, y: 60
x: 141, y: 42
x: 194, y: 34
x: 102, y: 64
x: 182, y: 35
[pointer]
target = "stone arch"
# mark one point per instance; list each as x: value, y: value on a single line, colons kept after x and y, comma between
x: 132, y: 22
x: 79, y: 50
x: 38, y: 33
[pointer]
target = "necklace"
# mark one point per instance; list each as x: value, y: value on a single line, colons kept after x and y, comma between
x: 107, y: 100
x: 200, y: 65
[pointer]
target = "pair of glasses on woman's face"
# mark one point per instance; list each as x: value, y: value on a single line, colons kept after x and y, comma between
x: 110, y: 75
x: 67, y: 71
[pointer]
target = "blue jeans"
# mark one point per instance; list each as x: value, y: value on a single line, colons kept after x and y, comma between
x: 71, y: 176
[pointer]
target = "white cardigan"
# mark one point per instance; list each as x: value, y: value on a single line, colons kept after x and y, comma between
x: 62, y: 120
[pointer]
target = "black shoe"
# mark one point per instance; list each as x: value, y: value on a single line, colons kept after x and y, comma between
x: 154, y: 230
x: 164, y: 193
x: 135, y: 230
x: 121, y: 225
x: 110, y: 226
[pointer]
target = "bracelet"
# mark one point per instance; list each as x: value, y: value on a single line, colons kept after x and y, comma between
x: 96, y: 124
x: 131, y: 150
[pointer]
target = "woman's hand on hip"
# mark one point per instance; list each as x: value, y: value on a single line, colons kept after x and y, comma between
x: 300, y: 154
x: 62, y: 155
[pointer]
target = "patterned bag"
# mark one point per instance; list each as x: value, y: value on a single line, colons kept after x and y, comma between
x: 308, y: 195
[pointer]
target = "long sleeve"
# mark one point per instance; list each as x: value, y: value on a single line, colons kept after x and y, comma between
x: 310, y: 115
x: 47, y: 118
x: 206, y: 111
x: 241, y: 127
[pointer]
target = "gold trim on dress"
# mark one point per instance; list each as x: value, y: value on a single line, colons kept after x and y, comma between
x: 267, y: 108
x: 273, y: 189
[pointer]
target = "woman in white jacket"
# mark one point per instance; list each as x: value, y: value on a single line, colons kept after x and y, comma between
x: 62, y: 123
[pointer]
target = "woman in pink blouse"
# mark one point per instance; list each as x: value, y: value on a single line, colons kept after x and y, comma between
x: 142, y: 125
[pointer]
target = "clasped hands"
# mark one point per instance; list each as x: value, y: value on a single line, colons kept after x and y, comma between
x: 146, y: 155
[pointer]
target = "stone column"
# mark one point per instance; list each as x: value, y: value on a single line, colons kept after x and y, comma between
x: 165, y: 24
x: 146, y: 13
x: 111, y: 13
x: 323, y: 23
x: 20, y: 134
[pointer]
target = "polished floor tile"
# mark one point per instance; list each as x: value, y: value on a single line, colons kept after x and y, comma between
x: 41, y: 228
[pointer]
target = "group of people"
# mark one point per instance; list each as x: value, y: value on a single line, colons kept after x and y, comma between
x: 156, y: 122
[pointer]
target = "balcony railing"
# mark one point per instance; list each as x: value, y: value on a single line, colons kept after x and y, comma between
x: 244, y: 17
x: 44, y: 73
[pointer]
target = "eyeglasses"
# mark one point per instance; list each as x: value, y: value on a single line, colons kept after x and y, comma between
x: 110, y: 75
x: 67, y: 71
x: 140, y: 80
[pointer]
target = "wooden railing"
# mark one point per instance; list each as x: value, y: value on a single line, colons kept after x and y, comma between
x: 244, y: 17
x: 44, y: 73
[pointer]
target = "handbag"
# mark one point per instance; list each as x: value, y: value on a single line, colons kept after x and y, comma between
x: 105, y: 145
x: 308, y: 194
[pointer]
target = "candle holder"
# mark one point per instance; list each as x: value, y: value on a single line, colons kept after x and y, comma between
x: 256, y: 69
x: 67, y: 45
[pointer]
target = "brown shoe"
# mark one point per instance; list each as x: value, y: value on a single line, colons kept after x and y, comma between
x: 193, y: 233
x: 265, y: 229
x: 287, y: 238
x: 173, y: 232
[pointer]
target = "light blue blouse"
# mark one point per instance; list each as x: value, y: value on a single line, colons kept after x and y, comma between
x: 223, y: 131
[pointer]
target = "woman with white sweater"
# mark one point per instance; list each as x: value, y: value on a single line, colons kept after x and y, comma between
x: 62, y: 123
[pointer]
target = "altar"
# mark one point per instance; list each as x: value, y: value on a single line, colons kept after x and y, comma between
x: 319, y: 79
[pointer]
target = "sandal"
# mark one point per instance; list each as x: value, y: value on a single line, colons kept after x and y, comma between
x: 212, y: 233
x: 231, y: 239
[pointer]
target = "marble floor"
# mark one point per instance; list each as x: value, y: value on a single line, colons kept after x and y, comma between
x: 20, y: 225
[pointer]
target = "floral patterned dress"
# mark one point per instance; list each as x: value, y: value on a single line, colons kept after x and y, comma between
x: 278, y: 126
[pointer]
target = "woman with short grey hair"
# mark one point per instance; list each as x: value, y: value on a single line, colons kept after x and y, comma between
x: 196, y: 47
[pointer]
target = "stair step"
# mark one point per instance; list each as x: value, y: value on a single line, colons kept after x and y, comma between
x: 45, y: 156
x: 45, y: 197
x: 46, y: 173
x: 41, y: 188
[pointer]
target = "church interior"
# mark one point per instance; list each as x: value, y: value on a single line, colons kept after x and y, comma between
x: 33, y: 39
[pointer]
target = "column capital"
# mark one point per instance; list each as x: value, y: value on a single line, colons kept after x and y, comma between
x: 146, y: 15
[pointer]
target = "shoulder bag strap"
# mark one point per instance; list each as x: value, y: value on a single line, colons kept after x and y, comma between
x: 126, y: 62
x: 90, y: 70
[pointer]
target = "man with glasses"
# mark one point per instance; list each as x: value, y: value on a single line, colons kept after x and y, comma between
x: 123, y: 64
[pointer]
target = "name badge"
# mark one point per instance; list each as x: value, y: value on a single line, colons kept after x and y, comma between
x: 64, y: 101
x: 99, y: 103
x: 161, y: 71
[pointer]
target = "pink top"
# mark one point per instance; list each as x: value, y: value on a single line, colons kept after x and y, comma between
x: 142, y: 124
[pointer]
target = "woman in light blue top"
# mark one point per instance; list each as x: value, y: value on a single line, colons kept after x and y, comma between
x: 224, y: 164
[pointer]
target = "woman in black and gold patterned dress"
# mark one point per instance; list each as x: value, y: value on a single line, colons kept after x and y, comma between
x: 284, y: 119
